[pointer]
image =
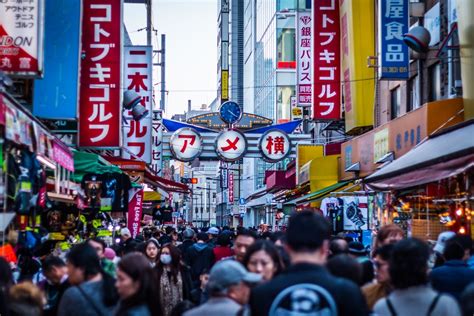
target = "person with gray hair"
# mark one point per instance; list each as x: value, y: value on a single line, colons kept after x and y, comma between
x: 229, y: 289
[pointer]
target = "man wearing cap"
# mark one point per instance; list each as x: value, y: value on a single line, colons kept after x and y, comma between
x: 212, y: 232
x: 306, y: 287
x: 229, y: 290
x: 188, y: 235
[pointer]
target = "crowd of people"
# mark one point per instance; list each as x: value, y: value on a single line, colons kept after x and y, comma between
x: 221, y: 271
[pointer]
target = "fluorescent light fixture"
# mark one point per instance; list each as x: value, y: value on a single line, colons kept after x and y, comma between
x: 46, y: 162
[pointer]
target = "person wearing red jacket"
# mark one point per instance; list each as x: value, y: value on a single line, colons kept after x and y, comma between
x: 223, y: 249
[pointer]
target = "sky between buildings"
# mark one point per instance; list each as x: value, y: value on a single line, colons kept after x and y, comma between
x: 191, y: 49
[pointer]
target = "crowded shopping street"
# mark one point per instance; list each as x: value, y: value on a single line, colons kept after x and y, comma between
x: 236, y: 158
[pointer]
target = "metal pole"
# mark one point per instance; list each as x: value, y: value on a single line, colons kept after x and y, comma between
x: 149, y: 27
x: 163, y: 73
x: 209, y: 203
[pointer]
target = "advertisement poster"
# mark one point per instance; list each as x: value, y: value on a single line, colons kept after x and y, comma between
x: 21, y: 37
x: 135, y: 211
x: 327, y: 61
x: 100, y: 93
x: 394, y: 61
x: 304, y: 62
x: 137, y: 135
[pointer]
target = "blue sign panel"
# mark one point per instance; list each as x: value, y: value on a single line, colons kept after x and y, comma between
x: 394, y: 58
x: 55, y: 96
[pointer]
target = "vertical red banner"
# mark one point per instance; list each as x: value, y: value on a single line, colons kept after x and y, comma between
x: 99, y: 103
x: 135, y: 211
x: 326, y: 61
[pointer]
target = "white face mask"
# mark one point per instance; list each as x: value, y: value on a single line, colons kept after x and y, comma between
x: 165, y: 259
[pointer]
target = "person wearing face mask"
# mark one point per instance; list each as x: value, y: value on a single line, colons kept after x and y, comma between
x: 263, y: 258
x: 174, y: 279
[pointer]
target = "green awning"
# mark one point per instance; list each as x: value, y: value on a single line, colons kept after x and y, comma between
x: 90, y: 163
x: 318, y: 194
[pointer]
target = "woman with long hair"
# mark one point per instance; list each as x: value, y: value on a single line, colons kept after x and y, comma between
x: 93, y: 291
x: 137, y: 287
x: 174, y: 279
x: 263, y: 258
x: 152, y: 247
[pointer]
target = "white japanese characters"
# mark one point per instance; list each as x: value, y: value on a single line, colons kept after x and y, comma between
x: 99, y: 110
x: 326, y: 46
x: 393, y: 24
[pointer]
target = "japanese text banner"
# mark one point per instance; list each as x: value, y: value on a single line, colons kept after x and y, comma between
x: 21, y: 37
x: 327, y: 60
x: 304, y: 62
x: 99, y: 105
x: 138, y: 78
x: 394, y: 59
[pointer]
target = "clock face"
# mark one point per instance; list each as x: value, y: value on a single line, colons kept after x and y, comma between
x: 230, y: 112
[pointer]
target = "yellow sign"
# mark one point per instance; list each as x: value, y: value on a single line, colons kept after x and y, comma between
x: 357, y: 28
x: 225, y: 85
x: 380, y: 144
x: 297, y: 112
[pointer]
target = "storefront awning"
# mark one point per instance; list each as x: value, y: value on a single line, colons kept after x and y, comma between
x: 88, y: 162
x: 165, y: 184
x: 318, y: 194
x: 441, y: 156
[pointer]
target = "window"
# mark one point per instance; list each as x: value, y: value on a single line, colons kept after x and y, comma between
x: 285, y: 5
x: 286, y: 48
x: 434, y: 73
x: 455, y: 68
x: 395, y: 100
x: 412, y: 94
x: 284, y: 103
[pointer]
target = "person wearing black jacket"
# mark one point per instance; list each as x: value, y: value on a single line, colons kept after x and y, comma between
x: 306, y: 287
x: 127, y: 244
x: 188, y: 235
x: 200, y: 257
x: 56, y: 283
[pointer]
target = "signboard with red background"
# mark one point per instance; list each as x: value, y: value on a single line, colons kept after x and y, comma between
x: 327, y: 60
x: 100, y: 100
x: 21, y: 37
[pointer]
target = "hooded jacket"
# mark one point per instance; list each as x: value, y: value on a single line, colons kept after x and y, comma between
x: 200, y: 257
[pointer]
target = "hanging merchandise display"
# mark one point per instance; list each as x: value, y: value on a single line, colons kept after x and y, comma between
x: 355, y: 213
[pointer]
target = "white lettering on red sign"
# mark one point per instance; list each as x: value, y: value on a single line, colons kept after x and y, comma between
x: 138, y: 77
x: 326, y: 89
x: 99, y: 107
x: 19, y: 41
